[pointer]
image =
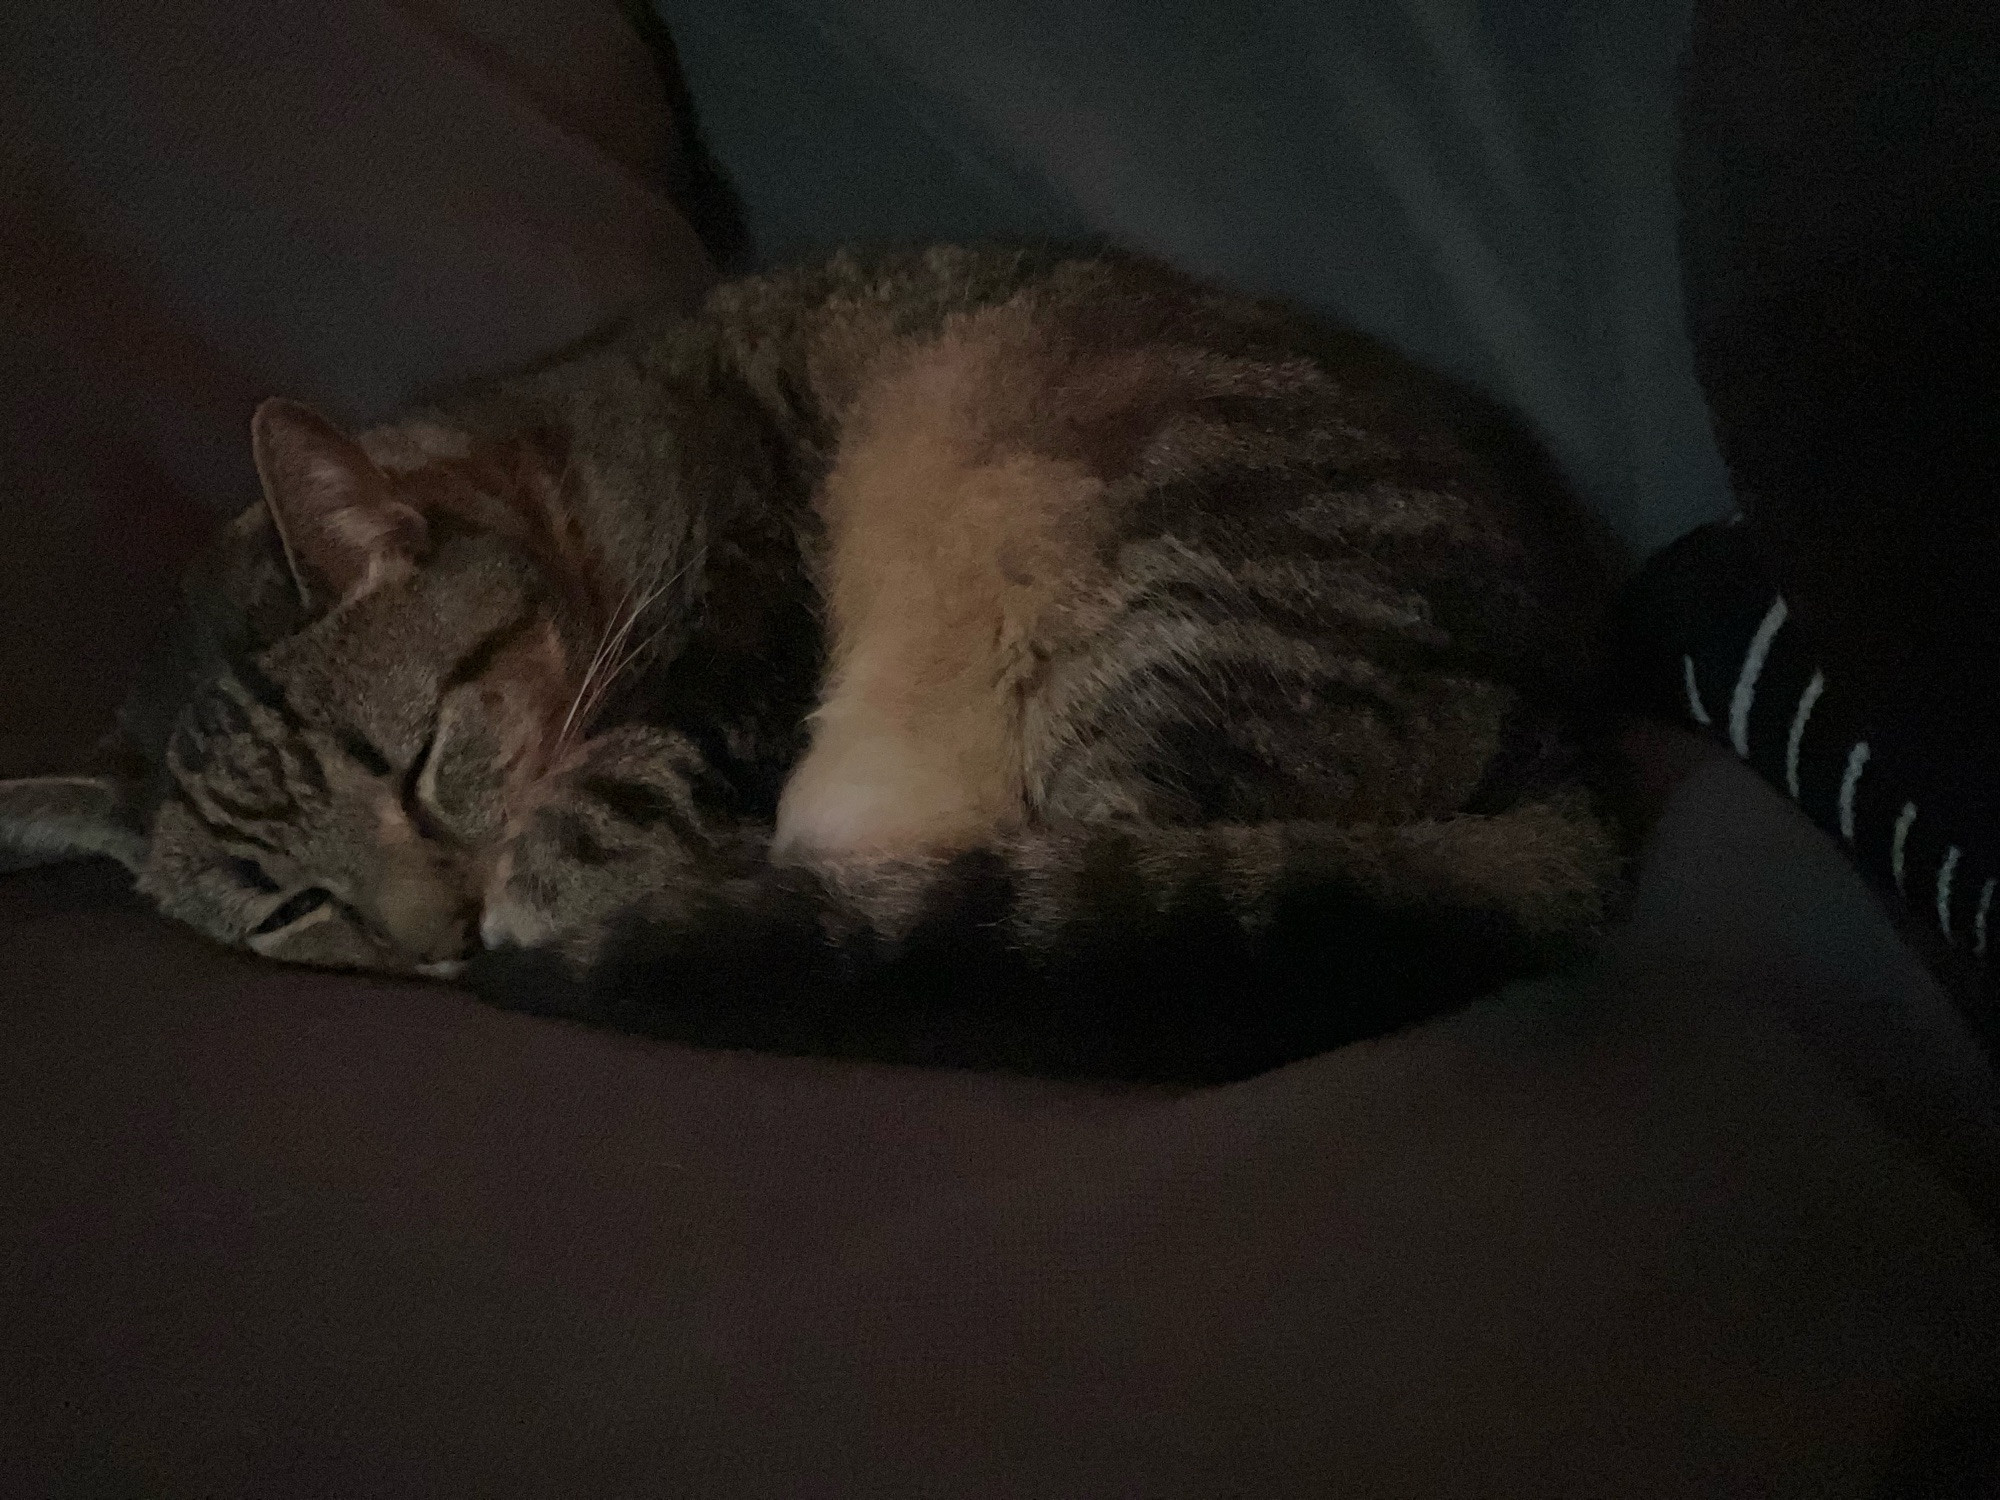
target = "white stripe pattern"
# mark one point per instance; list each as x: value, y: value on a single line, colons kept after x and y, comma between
x: 1979, y: 921
x: 1944, y: 890
x: 1903, y: 821
x: 1696, y: 708
x: 1746, y: 680
x: 1797, y: 737
x: 1856, y: 759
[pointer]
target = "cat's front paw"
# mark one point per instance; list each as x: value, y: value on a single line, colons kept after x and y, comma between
x: 515, y: 914
x: 615, y: 831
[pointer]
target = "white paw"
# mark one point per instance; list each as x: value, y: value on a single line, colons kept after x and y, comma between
x: 507, y: 921
x: 873, y: 796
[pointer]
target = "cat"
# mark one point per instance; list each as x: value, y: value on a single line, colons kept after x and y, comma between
x: 1029, y: 657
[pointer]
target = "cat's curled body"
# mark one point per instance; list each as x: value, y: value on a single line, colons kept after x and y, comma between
x: 1007, y: 656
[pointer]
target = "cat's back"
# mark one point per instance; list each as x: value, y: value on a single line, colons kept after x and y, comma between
x: 1239, y: 425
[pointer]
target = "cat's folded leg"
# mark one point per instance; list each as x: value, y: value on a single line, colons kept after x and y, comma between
x: 617, y: 829
x: 1145, y: 951
x: 619, y: 901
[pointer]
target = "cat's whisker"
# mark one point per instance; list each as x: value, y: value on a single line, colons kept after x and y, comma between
x: 615, y: 641
x: 624, y: 662
x: 612, y: 659
x: 613, y: 630
x: 590, y: 671
x: 637, y: 653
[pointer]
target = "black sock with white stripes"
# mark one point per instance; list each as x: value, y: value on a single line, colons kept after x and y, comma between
x: 1709, y: 640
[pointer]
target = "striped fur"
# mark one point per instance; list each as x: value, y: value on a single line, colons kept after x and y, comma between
x: 993, y: 633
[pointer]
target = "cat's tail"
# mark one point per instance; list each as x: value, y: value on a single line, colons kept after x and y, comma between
x: 1171, y: 953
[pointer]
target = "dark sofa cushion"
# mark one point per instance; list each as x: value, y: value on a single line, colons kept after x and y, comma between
x: 1633, y: 1233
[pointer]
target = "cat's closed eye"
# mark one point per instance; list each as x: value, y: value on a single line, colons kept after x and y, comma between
x: 293, y: 908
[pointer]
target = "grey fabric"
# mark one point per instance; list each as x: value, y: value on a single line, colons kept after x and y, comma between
x: 1486, y: 186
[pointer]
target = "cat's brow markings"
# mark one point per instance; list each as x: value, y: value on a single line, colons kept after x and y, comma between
x: 221, y: 828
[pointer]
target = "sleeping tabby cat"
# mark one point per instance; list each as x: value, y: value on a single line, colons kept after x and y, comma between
x: 1015, y: 657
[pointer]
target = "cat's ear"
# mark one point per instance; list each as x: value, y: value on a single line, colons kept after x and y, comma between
x: 47, y: 819
x: 337, y: 514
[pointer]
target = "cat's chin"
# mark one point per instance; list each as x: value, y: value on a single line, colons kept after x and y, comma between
x: 444, y: 968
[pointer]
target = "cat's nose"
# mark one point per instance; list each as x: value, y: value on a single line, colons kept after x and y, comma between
x: 438, y: 934
x: 450, y: 943
x: 424, y: 912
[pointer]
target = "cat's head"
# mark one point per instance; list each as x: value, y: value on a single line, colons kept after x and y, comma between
x: 403, y: 644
